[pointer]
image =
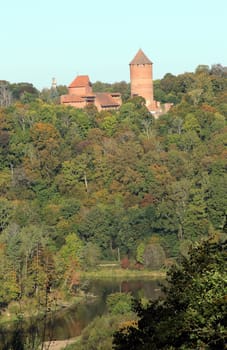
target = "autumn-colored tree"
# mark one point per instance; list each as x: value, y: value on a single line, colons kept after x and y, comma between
x: 69, y: 261
x: 44, y: 158
x: 10, y: 289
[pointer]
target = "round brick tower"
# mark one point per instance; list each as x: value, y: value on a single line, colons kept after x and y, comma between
x: 141, y: 77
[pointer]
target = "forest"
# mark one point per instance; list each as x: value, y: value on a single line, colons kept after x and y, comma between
x: 78, y: 187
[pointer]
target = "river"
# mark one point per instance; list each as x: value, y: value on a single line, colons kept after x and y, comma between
x: 69, y: 322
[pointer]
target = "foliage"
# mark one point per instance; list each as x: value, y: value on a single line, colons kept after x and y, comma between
x: 115, y: 178
x: 193, y: 313
x: 122, y: 87
x: 154, y: 256
x: 98, y: 334
x: 119, y: 303
x: 91, y: 255
x: 9, y: 285
x: 140, y: 253
x: 69, y: 259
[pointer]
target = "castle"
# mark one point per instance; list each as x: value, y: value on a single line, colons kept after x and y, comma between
x: 141, y: 77
x: 80, y: 95
x: 80, y: 92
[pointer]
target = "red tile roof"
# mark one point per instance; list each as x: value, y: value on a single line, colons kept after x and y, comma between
x: 89, y: 95
x: 140, y: 58
x: 80, y: 81
x: 106, y: 100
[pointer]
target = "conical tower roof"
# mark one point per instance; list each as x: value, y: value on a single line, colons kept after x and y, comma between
x: 140, y: 58
x: 80, y: 81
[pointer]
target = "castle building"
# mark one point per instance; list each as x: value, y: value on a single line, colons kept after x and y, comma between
x: 80, y: 92
x: 141, y: 77
x: 80, y: 95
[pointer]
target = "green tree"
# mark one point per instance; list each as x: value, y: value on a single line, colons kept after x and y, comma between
x: 6, y: 211
x: 109, y: 124
x: 20, y: 89
x: 217, y: 201
x: 40, y: 275
x: 154, y: 256
x: 119, y: 303
x: 191, y: 123
x: 140, y: 252
x: 10, y: 289
x: 92, y: 254
x: 75, y: 172
x: 69, y: 259
x: 196, y: 217
x: 101, y: 227
x: 193, y: 313
x: 44, y: 159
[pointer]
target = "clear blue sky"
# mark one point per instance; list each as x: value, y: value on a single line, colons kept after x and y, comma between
x: 41, y: 39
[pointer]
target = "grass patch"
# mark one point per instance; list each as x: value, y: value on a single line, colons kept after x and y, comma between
x: 122, y: 273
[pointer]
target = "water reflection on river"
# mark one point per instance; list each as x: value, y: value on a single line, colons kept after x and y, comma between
x: 69, y: 323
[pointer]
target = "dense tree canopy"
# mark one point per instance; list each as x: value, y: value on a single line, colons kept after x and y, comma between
x: 115, y: 179
x: 193, y: 314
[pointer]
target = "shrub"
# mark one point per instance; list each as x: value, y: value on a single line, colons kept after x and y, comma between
x: 119, y: 303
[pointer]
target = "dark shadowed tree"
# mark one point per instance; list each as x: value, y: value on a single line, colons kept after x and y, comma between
x: 193, y: 314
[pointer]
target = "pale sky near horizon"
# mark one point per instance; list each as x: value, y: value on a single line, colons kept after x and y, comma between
x: 41, y: 39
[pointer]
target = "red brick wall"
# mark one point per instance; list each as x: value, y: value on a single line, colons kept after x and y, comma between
x: 80, y: 91
x: 142, y: 81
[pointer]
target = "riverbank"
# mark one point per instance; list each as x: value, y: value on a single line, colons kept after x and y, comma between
x: 115, y: 272
x: 72, y: 315
x: 59, y: 344
x: 25, y: 308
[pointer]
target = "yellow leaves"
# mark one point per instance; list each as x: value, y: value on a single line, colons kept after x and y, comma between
x: 63, y: 225
x: 130, y: 175
x: 207, y: 108
x: 69, y: 258
x: 31, y: 168
x: 53, y: 208
x: 154, y: 239
x: 52, y: 213
x: 124, y: 326
x: 45, y: 153
x: 2, y: 249
x: 43, y: 128
x: 3, y: 120
x: 73, y: 277
x: 101, y: 196
x: 224, y: 154
x: 216, y: 236
x: 161, y: 173
x: 45, y: 135
x: 5, y: 180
